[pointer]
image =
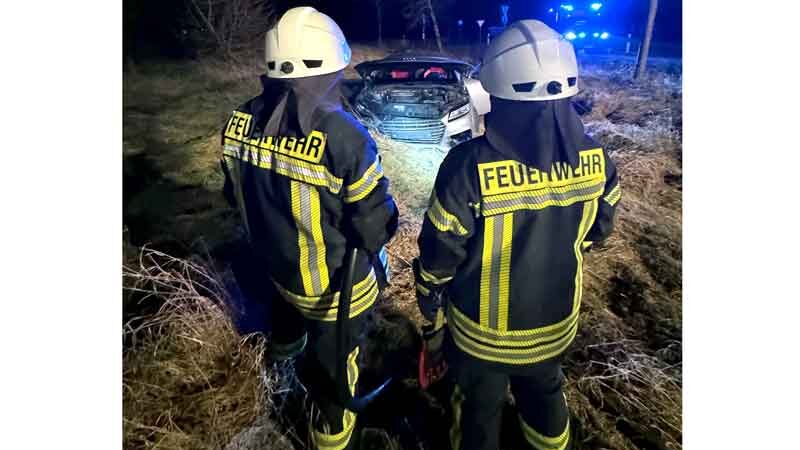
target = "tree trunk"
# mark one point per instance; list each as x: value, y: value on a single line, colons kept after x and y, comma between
x: 379, y: 9
x: 435, y: 26
x: 641, y: 65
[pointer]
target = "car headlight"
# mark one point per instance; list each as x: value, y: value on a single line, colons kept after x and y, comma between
x: 570, y: 35
x: 458, y: 112
x: 604, y: 35
x: 581, y: 35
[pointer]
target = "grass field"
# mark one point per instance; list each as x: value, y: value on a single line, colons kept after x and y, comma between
x: 192, y: 382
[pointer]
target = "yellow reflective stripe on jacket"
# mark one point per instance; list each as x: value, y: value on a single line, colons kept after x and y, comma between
x: 510, y: 338
x: 365, y: 184
x: 443, y: 220
x: 315, y: 174
x: 496, y: 271
x: 324, y: 308
x: 542, y: 442
x: 529, y: 346
x: 537, y: 199
x: 587, y: 220
x: 311, y: 244
x: 614, y: 195
x: 516, y: 356
x: 431, y: 278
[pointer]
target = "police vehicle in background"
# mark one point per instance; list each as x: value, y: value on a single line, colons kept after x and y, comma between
x: 584, y: 23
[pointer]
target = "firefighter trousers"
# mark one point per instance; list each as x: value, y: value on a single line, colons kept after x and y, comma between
x: 480, y: 394
x: 332, y: 427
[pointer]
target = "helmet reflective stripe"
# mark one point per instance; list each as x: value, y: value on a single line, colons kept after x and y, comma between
x: 305, y: 43
x: 530, y: 61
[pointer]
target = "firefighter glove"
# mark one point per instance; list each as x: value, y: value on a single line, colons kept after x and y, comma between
x: 430, y: 297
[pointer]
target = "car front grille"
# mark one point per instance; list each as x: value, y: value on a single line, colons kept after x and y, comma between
x: 417, y: 131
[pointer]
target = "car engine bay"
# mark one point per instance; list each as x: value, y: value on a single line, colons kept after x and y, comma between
x: 411, y: 101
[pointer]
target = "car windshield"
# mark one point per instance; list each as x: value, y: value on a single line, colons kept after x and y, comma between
x: 414, y: 73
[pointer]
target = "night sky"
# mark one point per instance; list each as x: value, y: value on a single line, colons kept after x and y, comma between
x: 357, y: 17
x: 150, y: 27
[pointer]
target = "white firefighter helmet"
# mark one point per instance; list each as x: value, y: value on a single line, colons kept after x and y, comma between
x: 305, y: 43
x: 530, y: 61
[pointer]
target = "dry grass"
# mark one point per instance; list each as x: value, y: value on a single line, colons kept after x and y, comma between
x: 189, y: 380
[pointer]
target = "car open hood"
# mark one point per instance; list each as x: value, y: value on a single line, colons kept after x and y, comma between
x: 447, y: 63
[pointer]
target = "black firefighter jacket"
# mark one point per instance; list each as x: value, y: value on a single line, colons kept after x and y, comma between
x: 303, y: 196
x: 505, y: 236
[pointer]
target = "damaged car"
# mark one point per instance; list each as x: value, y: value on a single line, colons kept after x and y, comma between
x: 421, y: 99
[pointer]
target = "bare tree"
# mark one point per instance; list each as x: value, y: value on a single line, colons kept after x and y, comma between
x: 379, y: 12
x: 432, y: 12
x: 227, y: 25
x: 641, y: 65
x: 416, y: 11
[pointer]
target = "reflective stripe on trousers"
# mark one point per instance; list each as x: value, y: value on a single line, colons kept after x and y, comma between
x: 324, y: 439
x: 480, y: 397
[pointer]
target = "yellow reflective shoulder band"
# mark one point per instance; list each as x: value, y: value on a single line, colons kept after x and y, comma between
x: 443, y: 220
x: 614, y: 195
x: 544, y: 197
x: 362, y: 188
x: 296, y: 169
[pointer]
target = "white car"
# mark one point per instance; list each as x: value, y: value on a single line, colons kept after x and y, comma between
x: 421, y: 99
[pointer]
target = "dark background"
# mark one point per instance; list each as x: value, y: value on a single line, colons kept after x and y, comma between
x: 152, y: 28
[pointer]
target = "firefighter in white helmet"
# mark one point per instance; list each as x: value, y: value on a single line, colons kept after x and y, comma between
x: 503, y: 239
x: 307, y: 181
